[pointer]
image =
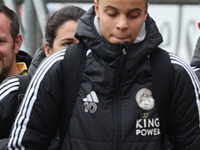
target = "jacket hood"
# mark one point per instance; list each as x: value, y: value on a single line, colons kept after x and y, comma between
x: 22, y: 56
x: 87, y: 33
x: 37, y: 59
x: 196, y: 57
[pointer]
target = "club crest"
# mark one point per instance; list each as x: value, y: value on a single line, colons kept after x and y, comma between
x: 145, y: 99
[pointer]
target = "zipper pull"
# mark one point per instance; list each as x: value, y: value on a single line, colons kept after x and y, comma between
x: 124, y: 51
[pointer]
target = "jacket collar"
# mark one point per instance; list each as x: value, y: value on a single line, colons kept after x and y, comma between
x: 89, y: 33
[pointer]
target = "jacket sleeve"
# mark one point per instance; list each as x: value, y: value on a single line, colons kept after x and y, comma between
x: 184, y: 110
x: 9, y: 104
x: 37, y: 121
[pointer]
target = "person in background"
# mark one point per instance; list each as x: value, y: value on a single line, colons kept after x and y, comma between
x: 13, y: 61
x: 11, y: 58
x: 195, y: 62
x: 116, y: 107
x: 59, y: 33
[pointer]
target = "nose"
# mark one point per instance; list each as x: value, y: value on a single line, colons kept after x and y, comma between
x: 122, y: 23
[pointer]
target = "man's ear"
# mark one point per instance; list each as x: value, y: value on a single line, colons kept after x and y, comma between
x: 96, y: 6
x: 47, y: 49
x: 18, y: 43
x: 146, y: 11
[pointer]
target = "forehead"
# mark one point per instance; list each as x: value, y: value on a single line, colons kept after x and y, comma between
x: 123, y: 4
x: 4, y: 23
x: 121, y: 0
x: 4, y: 19
x: 67, y: 27
x: 66, y: 31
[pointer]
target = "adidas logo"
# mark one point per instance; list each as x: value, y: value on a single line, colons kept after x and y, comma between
x: 90, y: 102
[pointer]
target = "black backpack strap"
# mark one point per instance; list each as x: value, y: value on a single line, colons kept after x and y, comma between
x: 162, y: 86
x: 24, y: 81
x: 73, y: 65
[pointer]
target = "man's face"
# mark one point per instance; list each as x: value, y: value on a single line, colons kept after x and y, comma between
x: 8, y: 50
x: 121, y: 20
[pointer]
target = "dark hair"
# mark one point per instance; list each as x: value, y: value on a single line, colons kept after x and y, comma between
x: 58, y: 18
x: 14, y: 22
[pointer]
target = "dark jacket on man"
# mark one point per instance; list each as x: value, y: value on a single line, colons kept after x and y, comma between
x: 107, y: 114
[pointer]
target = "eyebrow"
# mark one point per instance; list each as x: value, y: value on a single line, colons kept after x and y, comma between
x: 130, y: 10
x: 68, y: 39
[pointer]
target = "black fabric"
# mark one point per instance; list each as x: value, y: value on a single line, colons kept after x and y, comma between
x: 113, y: 123
x: 24, y: 81
x: 162, y: 84
x: 24, y: 57
x: 73, y: 65
x: 161, y: 69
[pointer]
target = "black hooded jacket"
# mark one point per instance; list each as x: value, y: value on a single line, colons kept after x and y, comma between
x: 109, y: 112
x: 8, y: 99
x: 12, y: 89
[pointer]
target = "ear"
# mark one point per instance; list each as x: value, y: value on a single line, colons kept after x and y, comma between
x: 18, y: 43
x: 96, y: 6
x: 47, y: 49
x: 146, y: 12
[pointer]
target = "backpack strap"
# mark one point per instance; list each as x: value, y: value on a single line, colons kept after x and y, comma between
x: 162, y: 86
x: 73, y: 65
x: 24, y: 81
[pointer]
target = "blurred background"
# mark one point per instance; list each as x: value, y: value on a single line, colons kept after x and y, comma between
x: 177, y: 21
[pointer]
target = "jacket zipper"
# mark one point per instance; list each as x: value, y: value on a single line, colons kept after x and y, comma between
x: 117, y: 102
